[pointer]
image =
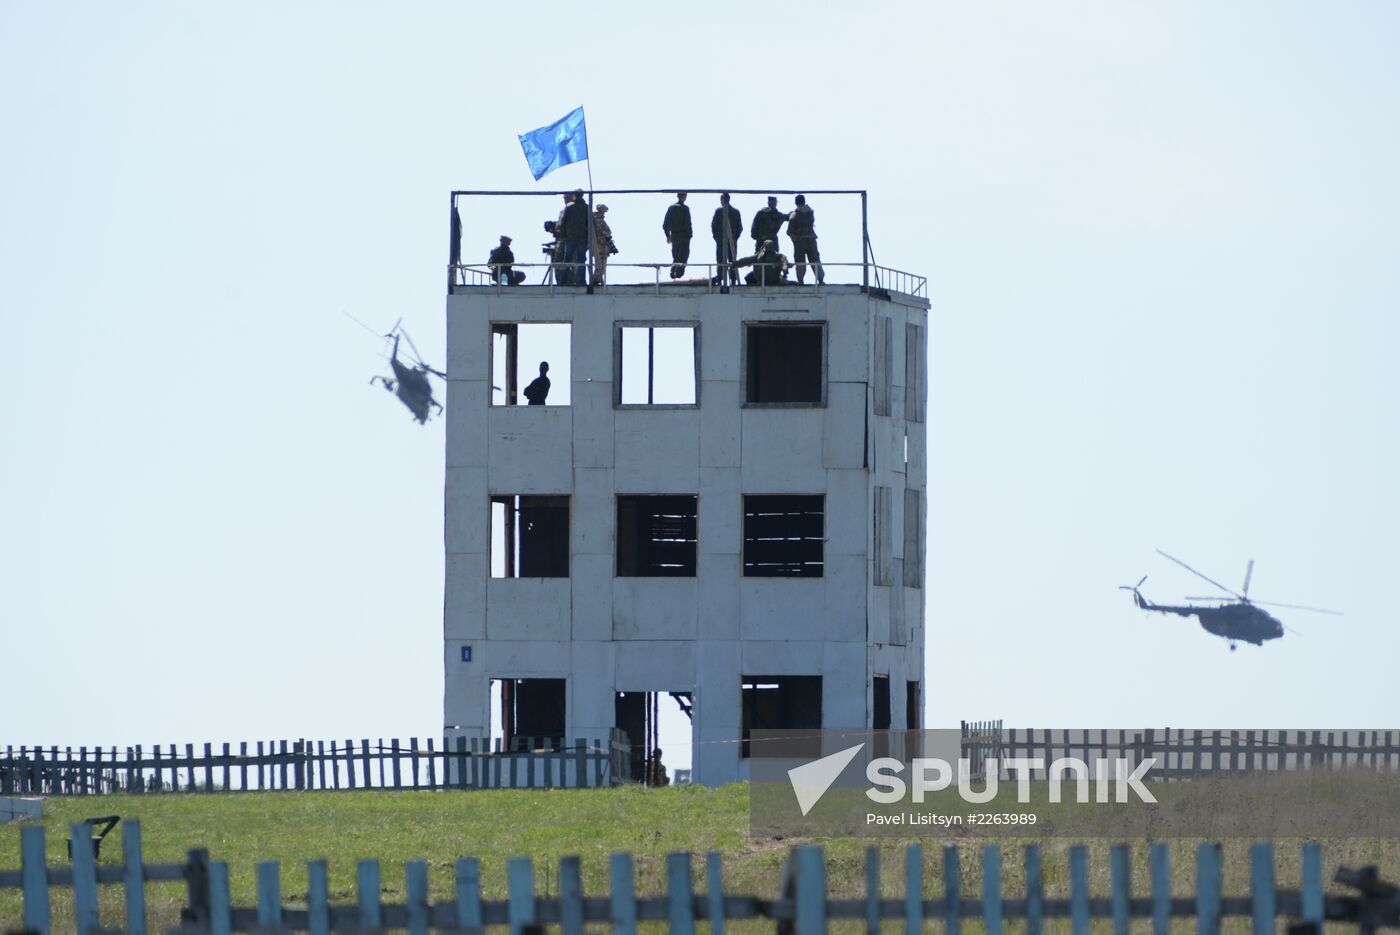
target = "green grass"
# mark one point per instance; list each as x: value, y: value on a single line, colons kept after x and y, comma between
x: 394, y: 827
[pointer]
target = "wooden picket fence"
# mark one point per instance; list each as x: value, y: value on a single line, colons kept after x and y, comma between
x: 1185, y: 754
x: 802, y: 906
x: 458, y: 763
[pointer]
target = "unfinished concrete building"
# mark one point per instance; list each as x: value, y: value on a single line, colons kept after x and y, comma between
x: 736, y: 524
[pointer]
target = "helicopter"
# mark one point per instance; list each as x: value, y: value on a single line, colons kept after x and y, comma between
x: 1236, y: 621
x: 410, y: 384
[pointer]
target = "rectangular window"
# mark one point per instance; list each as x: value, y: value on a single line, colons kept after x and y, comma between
x: 657, y: 364
x: 785, y: 363
x: 880, y: 702
x: 782, y: 702
x: 884, y: 538
x: 883, y: 359
x: 912, y: 705
x: 528, y: 714
x: 530, y: 363
x: 529, y: 537
x: 784, y: 535
x: 915, y: 391
x: 656, y: 536
x: 913, y: 542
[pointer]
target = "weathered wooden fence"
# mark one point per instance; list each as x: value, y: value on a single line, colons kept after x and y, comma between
x: 1186, y: 754
x: 803, y: 904
x: 457, y: 763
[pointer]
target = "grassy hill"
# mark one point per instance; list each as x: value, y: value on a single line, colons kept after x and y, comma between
x: 393, y: 827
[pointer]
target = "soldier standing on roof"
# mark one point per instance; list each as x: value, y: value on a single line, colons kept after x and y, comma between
x: 802, y: 229
x: 726, y: 226
x: 573, y: 234
x: 676, y: 226
x: 766, y: 224
x: 603, y: 246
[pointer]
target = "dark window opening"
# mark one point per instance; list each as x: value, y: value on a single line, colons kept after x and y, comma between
x: 783, y: 535
x: 783, y: 702
x: 784, y: 364
x: 530, y: 363
x: 912, y: 705
x: 656, y: 536
x: 529, y: 537
x: 913, y: 542
x: 657, y: 365
x: 880, y: 714
x: 654, y: 755
x: 529, y: 713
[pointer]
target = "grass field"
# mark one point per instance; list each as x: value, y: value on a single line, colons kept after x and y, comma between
x: 393, y: 827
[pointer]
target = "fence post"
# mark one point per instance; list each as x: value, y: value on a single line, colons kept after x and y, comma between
x: 469, y: 895
x: 570, y: 896
x: 1120, y: 883
x: 872, y: 891
x: 952, y: 896
x: 34, y: 873
x: 681, y: 899
x: 367, y: 888
x: 1079, y: 889
x: 714, y: 892
x: 196, y: 911
x: 520, y: 881
x: 991, y: 889
x: 318, y: 910
x: 1261, y: 887
x: 416, y: 885
x: 1208, y: 889
x: 809, y: 909
x: 220, y: 906
x: 1161, y: 889
x: 623, y: 898
x: 84, y: 878
x: 1035, y: 899
x: 133, y: 879
x: 1312, y: 884
x: 269, y: 893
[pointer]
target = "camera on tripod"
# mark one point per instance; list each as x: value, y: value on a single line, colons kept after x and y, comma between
x: 548, y: 249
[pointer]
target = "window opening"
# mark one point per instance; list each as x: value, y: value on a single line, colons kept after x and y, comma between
x: 528, y: 714
x: 913, y: 550
x: 656, y: 536
x: 659, y: 731
x: 783, y: 535
x: 782, y: 702
x: 657, y: 365
x: 784, y: 364
x: 880, y: 714
x: 523, y: 353
x: 913, y: 711
x: 884, y: 538
x: 529, y: 536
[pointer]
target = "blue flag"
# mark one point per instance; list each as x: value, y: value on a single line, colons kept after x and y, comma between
x: 562, y: 142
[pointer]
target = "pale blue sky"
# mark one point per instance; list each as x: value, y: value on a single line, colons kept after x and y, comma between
x: 1160, y: 242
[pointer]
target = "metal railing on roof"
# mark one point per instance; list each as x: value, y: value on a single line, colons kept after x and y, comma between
x: 632, y: 275
x: 872, y: 275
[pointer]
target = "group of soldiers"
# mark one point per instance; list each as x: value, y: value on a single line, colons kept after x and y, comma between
x: 727, y: 226
x: 575, y: 238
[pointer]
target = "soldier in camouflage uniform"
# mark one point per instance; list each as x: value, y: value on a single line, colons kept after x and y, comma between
x: 802, y: 229
x: 766, y: 224
x: 770, y: 268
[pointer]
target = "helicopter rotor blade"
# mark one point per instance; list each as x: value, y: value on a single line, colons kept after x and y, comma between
x: 1208, y: 597
x: 1248, y: 573
x: 1316, y: 610
x: 1199, y: 575
x: 1291, y: 630
x: 417, y: 357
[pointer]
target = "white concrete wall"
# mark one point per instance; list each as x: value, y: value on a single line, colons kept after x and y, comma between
x: 701, y: 634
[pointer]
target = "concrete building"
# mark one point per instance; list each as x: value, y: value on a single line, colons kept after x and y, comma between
x: 749, y: 542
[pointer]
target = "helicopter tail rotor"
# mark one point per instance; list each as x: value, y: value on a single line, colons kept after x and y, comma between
x: 1137, y: 594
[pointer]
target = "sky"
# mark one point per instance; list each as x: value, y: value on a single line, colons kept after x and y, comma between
x: 1159, y: 241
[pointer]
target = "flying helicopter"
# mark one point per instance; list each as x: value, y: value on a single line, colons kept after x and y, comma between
x: 1237, y: 621
x: 410, y: 384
